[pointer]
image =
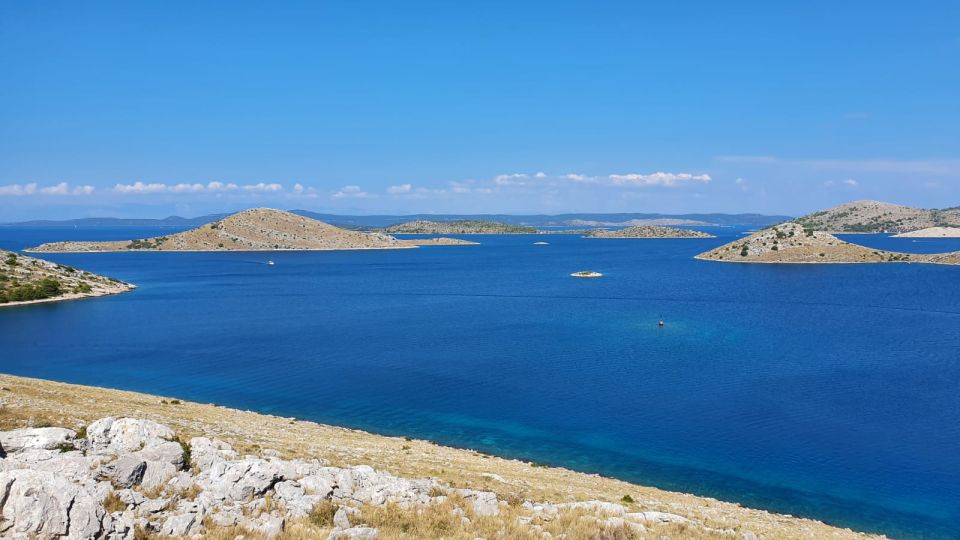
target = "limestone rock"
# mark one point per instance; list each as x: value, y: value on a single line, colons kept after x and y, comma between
x: 354, y: 533
x: 124, y: 435
x: 124, y: 472
x: 48, y: 438
x: 40, y: 504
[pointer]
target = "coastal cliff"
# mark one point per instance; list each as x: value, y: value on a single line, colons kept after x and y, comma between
x: 647, y: 231
x: 792, y: 243
x: 258, y: 229
x: 28, y: 280
x: 84, y: 462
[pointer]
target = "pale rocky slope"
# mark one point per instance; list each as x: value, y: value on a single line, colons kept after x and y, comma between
x: 184, y: 469
x: 258, y: 229
x: 29, y: 280
x: 792, y: 243
x: 647, y: 231
x: 875, y: 217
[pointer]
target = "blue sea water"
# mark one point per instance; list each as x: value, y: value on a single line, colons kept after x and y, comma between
x: 829, y: 391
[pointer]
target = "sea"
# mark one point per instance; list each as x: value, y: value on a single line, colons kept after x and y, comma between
x: 826, y: 391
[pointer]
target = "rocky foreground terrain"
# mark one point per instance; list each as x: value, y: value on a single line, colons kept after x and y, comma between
x: 258, y: 229
x: 876, y: 217
x: 792, y: 243
x: 28, y: 280
x: 458, y: 227
x: 83, y: 462
x: 647, y: 231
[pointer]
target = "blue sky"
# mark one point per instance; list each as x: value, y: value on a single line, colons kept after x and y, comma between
x: 158, y: 108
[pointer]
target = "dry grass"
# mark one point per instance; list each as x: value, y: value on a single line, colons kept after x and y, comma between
x: 112, y: 503
x: 29, y: 401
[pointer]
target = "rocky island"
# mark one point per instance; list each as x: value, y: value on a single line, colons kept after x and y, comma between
x: 793, y: 243
x: 79, y: 462
x: 932, y: 232
x: 878, y: 217
x: 647, y: 231
x: 27, y: 280
x: 458, y: 227
x: 258, y: 229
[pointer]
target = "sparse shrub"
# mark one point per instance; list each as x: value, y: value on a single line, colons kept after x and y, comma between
x: 321, y: 515
x: 65, y: 447
x: 627, y: 499
x: 112, y: 503
x: 174, y: 401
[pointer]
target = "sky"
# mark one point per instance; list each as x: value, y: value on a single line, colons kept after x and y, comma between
x: 150, y: 109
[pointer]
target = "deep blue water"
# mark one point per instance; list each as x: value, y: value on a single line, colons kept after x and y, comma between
x: 828, y: 391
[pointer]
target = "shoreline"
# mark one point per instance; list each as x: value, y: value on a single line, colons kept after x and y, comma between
x: 815, y: 263
x: 66, y: 298
x: 30, y: 400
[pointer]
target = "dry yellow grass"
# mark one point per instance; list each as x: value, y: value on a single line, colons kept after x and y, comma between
x: 28, y: 402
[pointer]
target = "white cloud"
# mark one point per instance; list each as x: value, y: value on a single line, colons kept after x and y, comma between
x: 400, y: 189
x: 263, y: 187
x: 579, y: 177
x: 540, y: 174
x: 851, y: 182
x: 657, y: 179
x: 140, y: 187
x: 352, y: 192
x: 60, y: 189
x: 32, y: 188
x: 187, y: 188
x: 217, y: 187
x: 510, y: 179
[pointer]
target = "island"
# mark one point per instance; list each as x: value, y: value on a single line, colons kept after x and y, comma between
x: 932, y: 232
x: 647, y: 231
x: 257, y: 229
x: 794, y: 243
x: 27, y: 280
x: 104, y: 463
x: 878, y: 217
x: 467, y: 226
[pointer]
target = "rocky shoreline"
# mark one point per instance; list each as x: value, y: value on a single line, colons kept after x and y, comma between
x: 101, y: 463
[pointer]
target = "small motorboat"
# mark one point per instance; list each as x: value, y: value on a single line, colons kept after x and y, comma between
x: 270, y: 263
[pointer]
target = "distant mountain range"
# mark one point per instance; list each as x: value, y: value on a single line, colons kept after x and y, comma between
x: 380, y: 221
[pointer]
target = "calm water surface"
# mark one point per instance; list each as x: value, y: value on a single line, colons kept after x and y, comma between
x: 828, y: 391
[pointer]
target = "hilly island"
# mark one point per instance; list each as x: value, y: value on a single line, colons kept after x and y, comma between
x: 258, y: 229
x: 807, y: 240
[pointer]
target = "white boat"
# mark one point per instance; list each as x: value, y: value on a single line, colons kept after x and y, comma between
x: 270, y: 263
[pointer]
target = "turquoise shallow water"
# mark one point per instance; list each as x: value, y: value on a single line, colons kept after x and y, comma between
x: 827, y: 391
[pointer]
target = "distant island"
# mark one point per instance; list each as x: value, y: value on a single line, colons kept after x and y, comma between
x: 647, y: 231
x: 932, y: 232
x: 794, y: 243
x: 458, y: 227
x: 26, y: 280
x: 878, y: 217
x: 258, y: 229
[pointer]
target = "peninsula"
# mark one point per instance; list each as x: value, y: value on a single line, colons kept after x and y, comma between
x: 647, y: 231
x: 258, y: 229
x: 878, y: 217
x: 458, y: 227
x: 26, y: 280
x: 74, y: 463
x: 792, y: 243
